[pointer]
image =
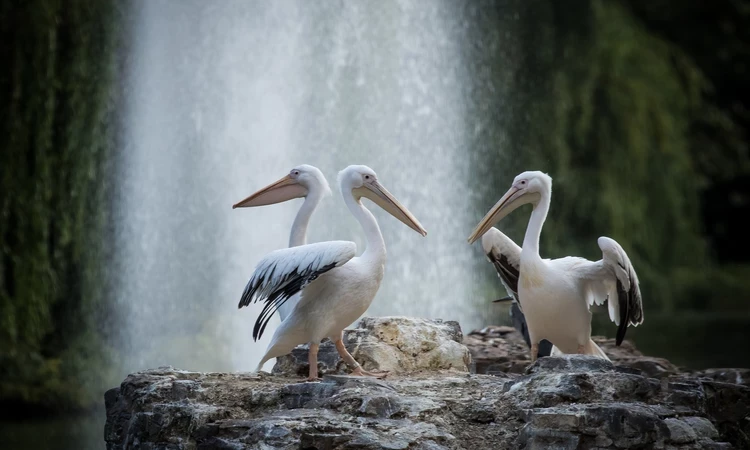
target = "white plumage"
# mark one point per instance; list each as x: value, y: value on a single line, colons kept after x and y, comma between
x: 335, y: 287
x: 621, y: 291
x: 275, y: 270
x: 283, y: 273
x: 555, y: 295
x: 302, y: 181
x: 505, y: 255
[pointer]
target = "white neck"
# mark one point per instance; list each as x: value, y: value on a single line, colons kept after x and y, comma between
x: 375, y: 243
x: 298, y: 235
x: 534, y: 229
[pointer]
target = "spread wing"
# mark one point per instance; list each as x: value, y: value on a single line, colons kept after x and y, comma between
x: 613, y: 279
x: 284, y: 272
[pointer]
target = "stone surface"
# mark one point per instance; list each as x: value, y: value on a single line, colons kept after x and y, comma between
x: 734, y: 376
x: 394, y: 344
x: 721, y: 392
x: 428, y: 403
x: 502, y: 349
x: 571, y: 402
x: 497, y: 349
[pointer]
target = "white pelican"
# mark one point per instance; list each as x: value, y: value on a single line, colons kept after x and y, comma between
x: 555, y: 294
x: 335, y: 287
x: 302, y: 181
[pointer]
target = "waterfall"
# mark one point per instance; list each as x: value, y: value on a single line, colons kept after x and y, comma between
x: 222, y: 98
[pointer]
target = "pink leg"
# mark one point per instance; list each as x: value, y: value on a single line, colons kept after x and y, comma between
x: 534, y: 351
x: 312, y: 358
x: 351, y: 362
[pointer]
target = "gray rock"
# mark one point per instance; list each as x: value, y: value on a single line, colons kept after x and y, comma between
x: 734, y: 376
x: 680, y: 432
x: 497, y: 349
x: 702, y: 427
x: 728, y: 406
x: 651, y: 367
x: 568, y: 402
x: 571, y: 363
x: 393, y: 344
x: 618, y: 425
x: 296, y: 363
x: 502, y: 349
x: 562, y: 404
x: 299, y: 395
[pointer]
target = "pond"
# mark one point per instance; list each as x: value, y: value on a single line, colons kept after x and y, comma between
x: 76, y: 432
x: 694, y: 340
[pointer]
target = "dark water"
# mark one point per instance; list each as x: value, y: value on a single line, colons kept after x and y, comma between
x: 76, y: 432
x: 693, y: 340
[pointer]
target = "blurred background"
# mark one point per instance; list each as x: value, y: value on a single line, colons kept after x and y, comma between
x: 129, y: 128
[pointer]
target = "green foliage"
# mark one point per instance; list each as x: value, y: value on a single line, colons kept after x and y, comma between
x: 56, y: 141
x: 609, y: 109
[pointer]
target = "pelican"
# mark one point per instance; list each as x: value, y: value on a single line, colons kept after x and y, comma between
x: 335, y: 287
x: 555, y: 295
x: 302, y: 181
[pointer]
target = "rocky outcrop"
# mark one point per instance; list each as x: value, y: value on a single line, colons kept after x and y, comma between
x: 497, y: 349
x: 502, y: 349
x: 585, y: 402
x: 393, y: 344
x: 570, y: 402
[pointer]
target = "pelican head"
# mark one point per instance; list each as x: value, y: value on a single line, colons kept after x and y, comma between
x: 301, y: 181
x: 361, y: 181
x: 528, y: 187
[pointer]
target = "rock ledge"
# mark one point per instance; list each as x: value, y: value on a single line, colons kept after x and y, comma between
x: 570, y: 402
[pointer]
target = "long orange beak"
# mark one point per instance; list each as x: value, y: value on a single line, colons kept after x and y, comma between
x: 510, y: 201
x: 282, y: 190
x: 380, y: 195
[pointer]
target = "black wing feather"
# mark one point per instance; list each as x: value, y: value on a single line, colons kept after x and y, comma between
x: 291, y: 284
x: 510, y: 274
x: 624, y: 312
x: 631, y: 310
x: 616, y: 264
x: 507, y: 272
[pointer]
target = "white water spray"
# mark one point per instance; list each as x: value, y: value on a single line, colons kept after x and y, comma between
x: 225, y: 97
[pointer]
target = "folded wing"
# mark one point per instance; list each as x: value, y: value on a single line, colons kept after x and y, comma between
x: 284, y: 272
x: 505, y: 255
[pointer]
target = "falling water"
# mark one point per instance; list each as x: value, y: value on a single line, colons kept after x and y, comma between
x: 223, y: 98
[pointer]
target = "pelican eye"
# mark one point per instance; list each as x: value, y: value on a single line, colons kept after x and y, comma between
x: 367, y: 177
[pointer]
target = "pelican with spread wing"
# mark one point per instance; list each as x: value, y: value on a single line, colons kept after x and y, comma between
x: 555, y: 295
x: 335, y: 286
x: 302, y: 181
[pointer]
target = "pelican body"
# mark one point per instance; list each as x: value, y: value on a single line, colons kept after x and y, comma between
x: 302, y: 181
x: 555, y: 295
x: 335, y: 287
